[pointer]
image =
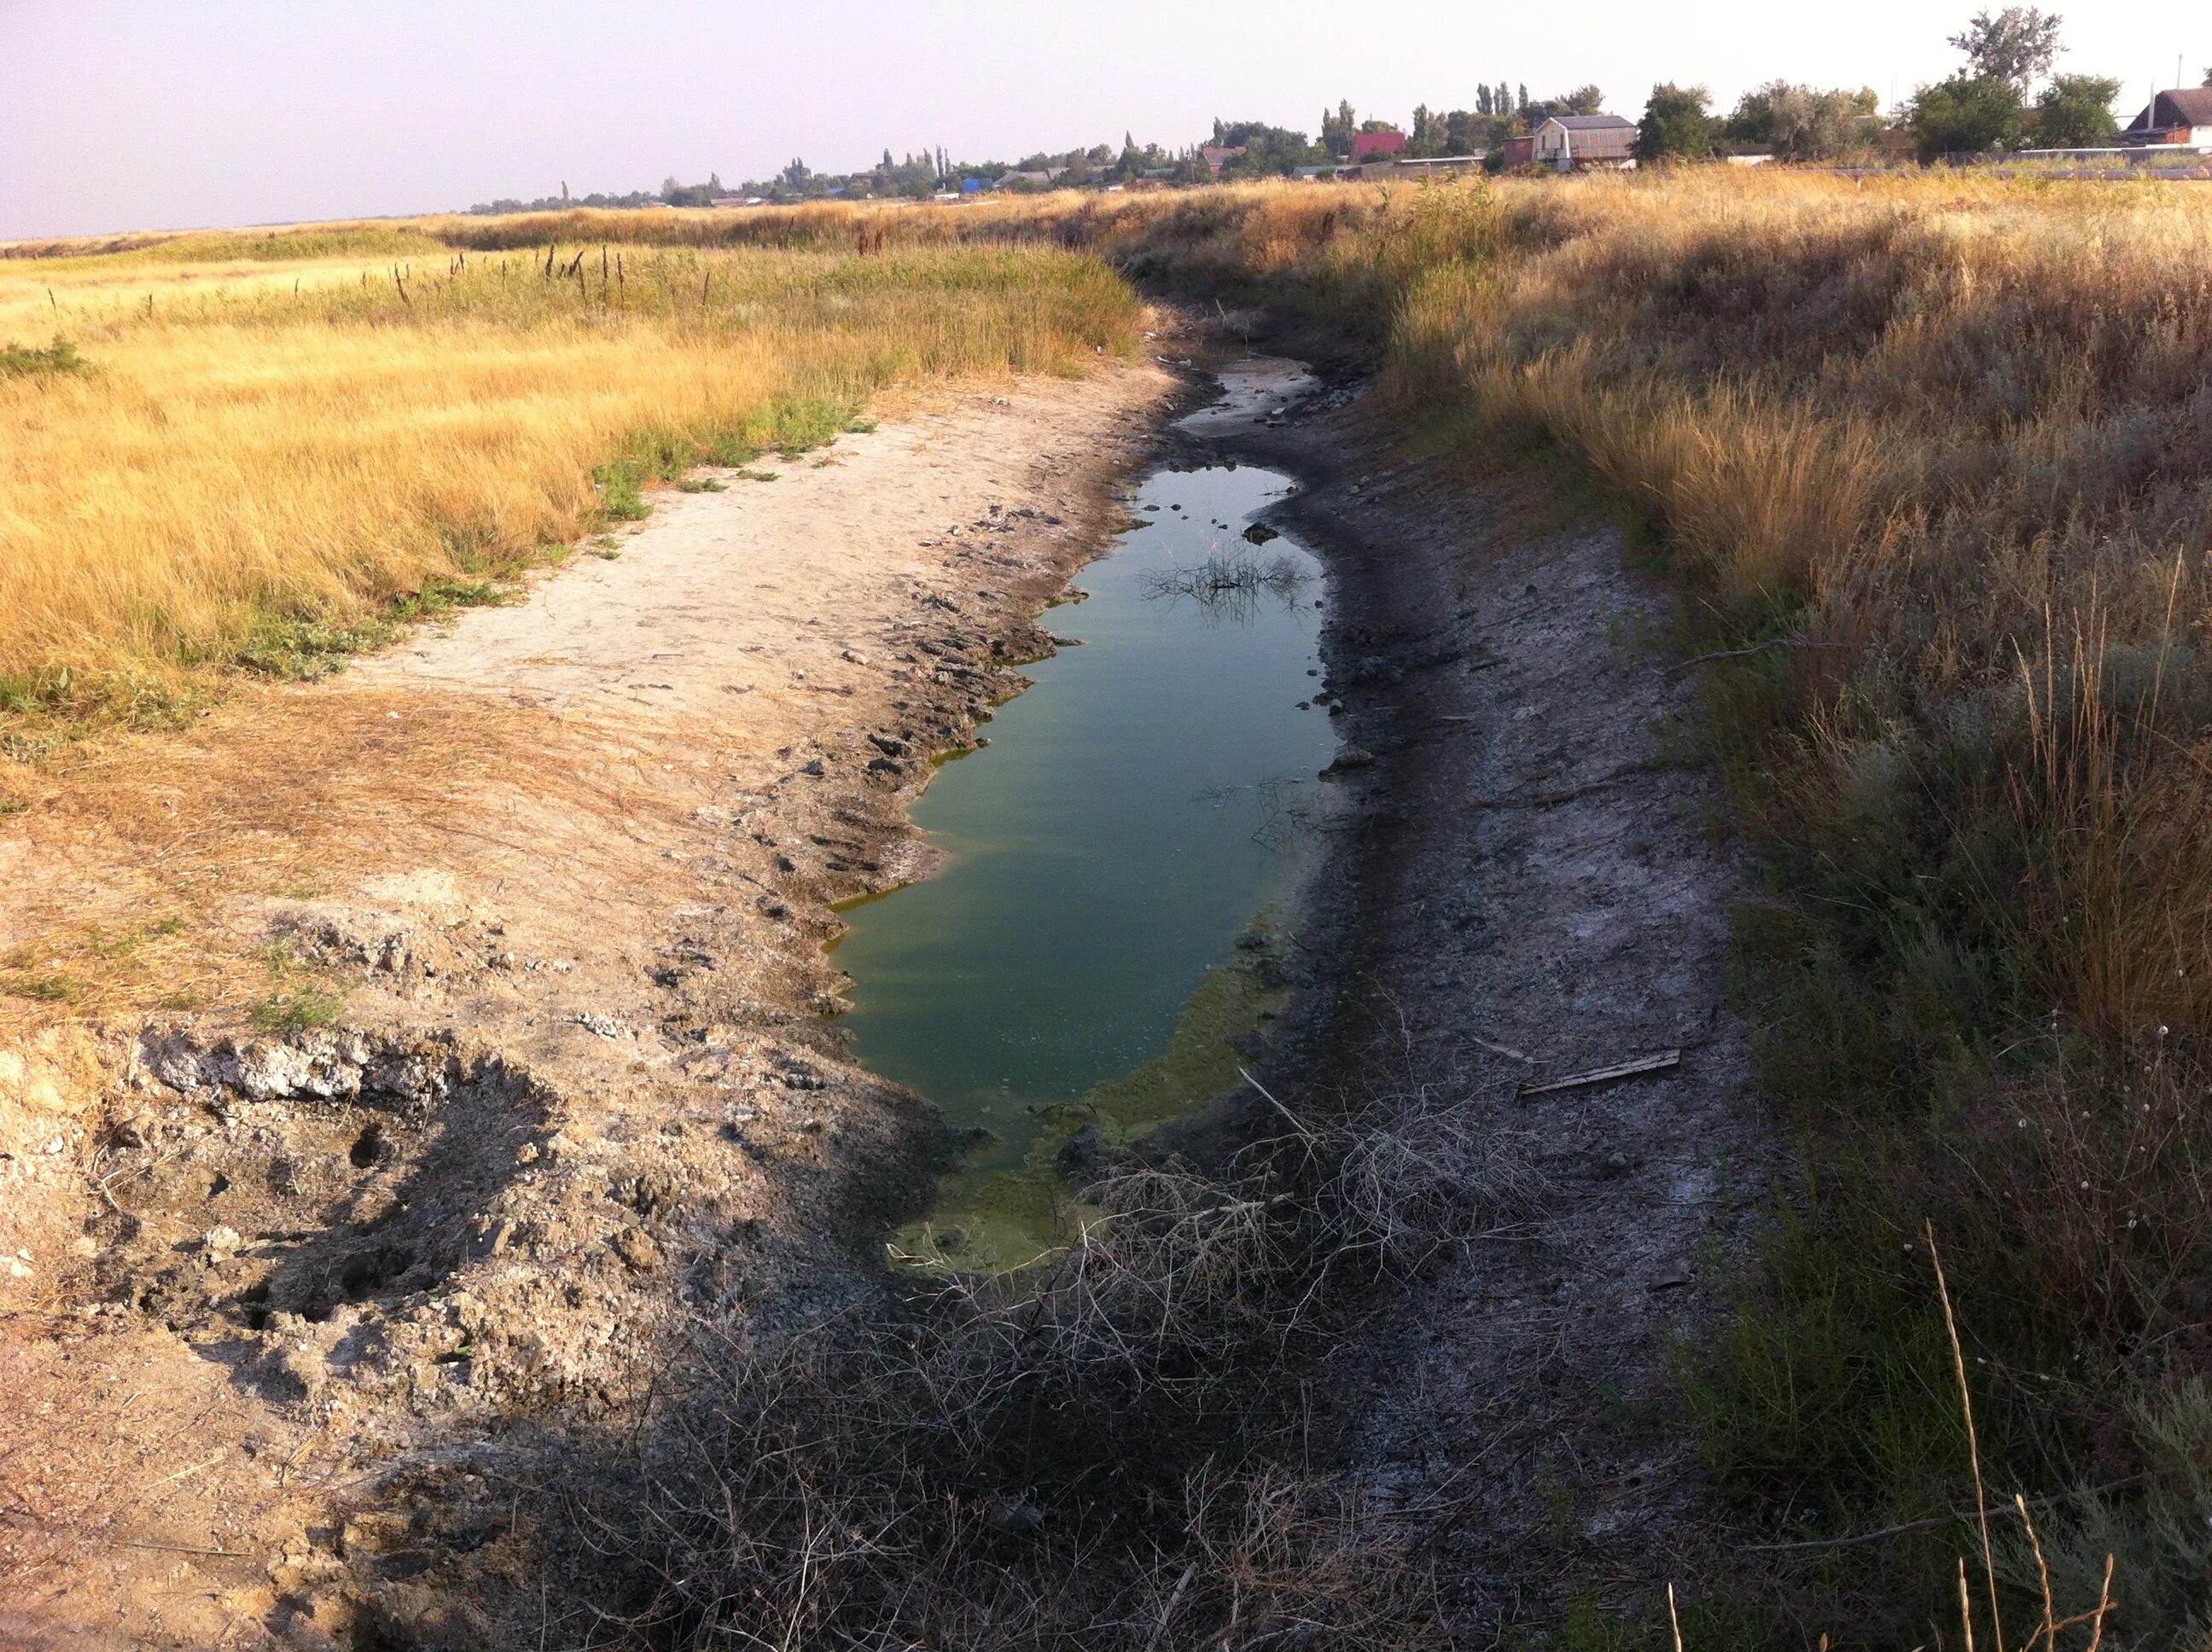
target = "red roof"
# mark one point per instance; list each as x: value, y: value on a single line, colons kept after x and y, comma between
x: 1366, y: 143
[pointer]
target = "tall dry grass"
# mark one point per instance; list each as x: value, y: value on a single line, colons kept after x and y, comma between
x: 1945, y: 443
x: 266, y: 438
x: 1951, y: 442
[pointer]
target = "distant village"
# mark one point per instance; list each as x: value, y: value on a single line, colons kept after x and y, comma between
x: 2005, y: 104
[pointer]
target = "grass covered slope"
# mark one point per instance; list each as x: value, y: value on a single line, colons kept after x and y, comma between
x: 254, y: 450
x: 1940, y: 457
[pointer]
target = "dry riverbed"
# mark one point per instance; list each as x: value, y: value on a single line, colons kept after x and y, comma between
x: 298, y: 1310
x: 277, y: 1293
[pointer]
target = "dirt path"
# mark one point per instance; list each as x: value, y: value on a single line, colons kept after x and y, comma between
x: 287, y: 1291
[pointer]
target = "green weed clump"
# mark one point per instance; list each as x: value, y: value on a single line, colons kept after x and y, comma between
x: 24, y: 362
x: 297, y: 1008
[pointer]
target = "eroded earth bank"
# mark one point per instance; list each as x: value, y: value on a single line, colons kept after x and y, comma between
x: 299, y: 1313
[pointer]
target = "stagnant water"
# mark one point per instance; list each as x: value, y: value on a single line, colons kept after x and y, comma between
x: 1100, y: 925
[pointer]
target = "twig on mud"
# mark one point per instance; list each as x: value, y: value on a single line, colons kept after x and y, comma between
x: 186, y: 1473
x: 1554, y: 800
x: 1296, y: 1124
x: 1168, y: 1611
x: 1663, y: 1061
x: 1934, y: 1521
x: 1506, y: 1050
x: 1740, y: 653
x: 94, y: 1536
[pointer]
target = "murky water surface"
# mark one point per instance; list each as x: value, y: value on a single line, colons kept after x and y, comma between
x: 1135, y: 813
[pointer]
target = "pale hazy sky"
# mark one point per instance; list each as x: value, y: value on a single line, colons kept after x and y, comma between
x: 124, y: 114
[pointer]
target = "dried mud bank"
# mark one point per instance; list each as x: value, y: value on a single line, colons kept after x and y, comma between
x: 1532, y: 880
x: 293, y: 1311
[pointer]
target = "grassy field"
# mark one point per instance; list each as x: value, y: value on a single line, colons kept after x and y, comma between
x: 259, y: 449
x: 1928, y: 459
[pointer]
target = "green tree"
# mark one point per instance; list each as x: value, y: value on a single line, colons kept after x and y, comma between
x: 2016, y: 45
x: 1677, y: 126
x: 1269, y: 151
x: 1427, y: 137
x: 2075, y: 112
x: 1337, y: 130
x: 1964, y: 114
x: 1802, y: 124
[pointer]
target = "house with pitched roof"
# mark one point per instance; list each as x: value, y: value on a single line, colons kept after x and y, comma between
x: 1579, y: 142
x: 2181, y: 116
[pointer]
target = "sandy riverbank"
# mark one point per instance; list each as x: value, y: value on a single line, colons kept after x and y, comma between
x: 568, y: 863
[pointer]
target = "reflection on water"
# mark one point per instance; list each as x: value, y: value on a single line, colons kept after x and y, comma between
x: 1135, y: 810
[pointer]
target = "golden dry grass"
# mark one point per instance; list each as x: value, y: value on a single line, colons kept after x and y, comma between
x: 262, y: 442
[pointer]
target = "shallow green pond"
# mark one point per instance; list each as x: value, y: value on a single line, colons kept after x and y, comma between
x: 1134, y: 813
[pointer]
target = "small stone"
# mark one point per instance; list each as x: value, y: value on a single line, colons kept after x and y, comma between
x: 221, y: 1242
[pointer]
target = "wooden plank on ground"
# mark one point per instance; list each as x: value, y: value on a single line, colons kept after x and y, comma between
x: 1640, y: 1067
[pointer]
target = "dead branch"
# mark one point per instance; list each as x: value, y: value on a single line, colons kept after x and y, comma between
x: 1742, y: 653
x: 1933, y: 1522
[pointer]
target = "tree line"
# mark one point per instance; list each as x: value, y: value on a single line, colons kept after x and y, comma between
x: 2004, y: 97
